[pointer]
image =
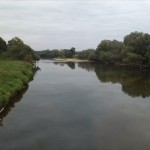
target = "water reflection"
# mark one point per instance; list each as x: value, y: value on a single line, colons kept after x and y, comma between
x: 11, y: 104
x: 135, y: 83
x: 66, y: 109
x: 69, y: 64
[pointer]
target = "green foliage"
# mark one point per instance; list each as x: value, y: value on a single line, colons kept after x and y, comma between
x: 64, y: 53
x: 14, y: 75
x: 109, y: 51
x: 72, y: 51
x: 88, y: 54
x: 49, y: 53
x: 17, y: 50
x: 137, y: 42
x: 106, y: 57
x: 3, y: 45
x: 69, y: 53
x: 135, y: 50
x: 133, y: 59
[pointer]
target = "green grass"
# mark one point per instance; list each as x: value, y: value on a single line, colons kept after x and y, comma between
x: 14, y: 75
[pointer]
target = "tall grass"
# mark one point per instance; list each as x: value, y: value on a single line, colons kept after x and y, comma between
x: 14, y: 75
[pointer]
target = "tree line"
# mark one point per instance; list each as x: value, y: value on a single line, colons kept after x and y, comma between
x: 63, y: 53
x: 15, y: 49
x: 133, y: 50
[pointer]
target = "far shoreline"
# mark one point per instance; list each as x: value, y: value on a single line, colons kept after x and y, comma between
x: 75, y: 60
x: 70, y: 60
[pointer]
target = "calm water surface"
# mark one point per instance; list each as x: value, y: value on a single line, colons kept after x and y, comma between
x: 80, y: 106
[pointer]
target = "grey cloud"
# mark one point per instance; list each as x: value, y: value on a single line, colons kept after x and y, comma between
x: 63, y: 24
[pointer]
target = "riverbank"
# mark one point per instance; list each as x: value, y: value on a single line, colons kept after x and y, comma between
x: 14, y: 76
x: 70, y: 60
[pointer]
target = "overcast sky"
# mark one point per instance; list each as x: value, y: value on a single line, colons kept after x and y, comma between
x: 49, y: 24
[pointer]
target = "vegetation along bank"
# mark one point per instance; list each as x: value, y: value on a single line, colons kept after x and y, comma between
x: 14, y: 76
x: 16, y: 68
x: 133, y: 51
x: 17, y: 59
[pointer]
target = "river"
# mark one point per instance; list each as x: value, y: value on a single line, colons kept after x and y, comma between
x: 79, y: 106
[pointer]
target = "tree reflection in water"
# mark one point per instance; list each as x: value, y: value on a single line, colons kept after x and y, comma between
x: 15, y: 99
x: 69, y: 64
x: 134, y: 82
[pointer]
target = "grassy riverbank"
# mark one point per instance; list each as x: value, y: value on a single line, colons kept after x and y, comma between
x: 14, y: 75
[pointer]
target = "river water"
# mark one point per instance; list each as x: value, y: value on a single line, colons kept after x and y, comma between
x: 79, y: 106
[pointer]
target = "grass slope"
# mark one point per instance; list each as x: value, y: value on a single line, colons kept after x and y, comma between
x: 14, y: 75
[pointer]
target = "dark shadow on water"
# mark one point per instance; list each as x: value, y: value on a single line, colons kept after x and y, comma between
x: 69, y: 64
x: 15, y: 99
x: 134, y: 82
